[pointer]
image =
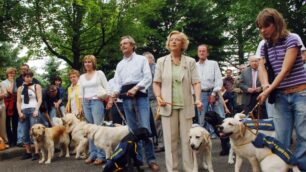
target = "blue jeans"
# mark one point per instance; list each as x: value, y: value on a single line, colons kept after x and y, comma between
x: 290, y: 113
x: 137, y: 112
x: 217, y: 107
x: 94, y: 114
x: 52, y: 112
x: 20, y: 135
x: 27, y: 123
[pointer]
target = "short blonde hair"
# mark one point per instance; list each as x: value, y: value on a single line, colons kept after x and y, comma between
x: 150, y: 55
x: 93, y: 60
x: 74, y: 72
x: 184, y: 37
x: 10, y: 70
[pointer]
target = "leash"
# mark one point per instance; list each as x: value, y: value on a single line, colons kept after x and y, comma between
x: 120, y: 113
x: 255, y: 120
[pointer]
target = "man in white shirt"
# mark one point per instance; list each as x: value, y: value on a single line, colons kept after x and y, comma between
x: 132, y: 79
x: 211, y: 84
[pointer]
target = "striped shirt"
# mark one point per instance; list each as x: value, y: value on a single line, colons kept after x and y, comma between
x: 297, y: 75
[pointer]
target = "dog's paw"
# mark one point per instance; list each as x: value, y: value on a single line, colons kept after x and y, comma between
x: 48, y: 162
x: 231, y: 161
x: 67, y: 155
x: 41, y: 161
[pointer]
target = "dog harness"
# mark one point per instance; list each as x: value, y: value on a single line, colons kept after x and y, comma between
x: 276, y: 147
x: 263, y: 124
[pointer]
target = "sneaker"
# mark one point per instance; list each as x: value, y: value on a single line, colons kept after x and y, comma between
x: 35, y: 157
x: 26, y: 156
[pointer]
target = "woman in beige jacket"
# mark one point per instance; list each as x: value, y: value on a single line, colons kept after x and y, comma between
x: 175, y: 75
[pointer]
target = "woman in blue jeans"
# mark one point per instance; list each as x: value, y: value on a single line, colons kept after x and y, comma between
x: 282, y: 49
x: 93, y: 107
x: 29, y: 99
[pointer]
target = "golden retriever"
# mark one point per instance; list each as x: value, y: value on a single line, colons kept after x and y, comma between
x: 260, y: 158
x: 75, y: 127
x: 240, y: 117
x: 48, y: 138
x: 106, y: 138
x: 200, y: 143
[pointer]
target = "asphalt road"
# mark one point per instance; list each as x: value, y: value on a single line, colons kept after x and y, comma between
x: 72, y: 165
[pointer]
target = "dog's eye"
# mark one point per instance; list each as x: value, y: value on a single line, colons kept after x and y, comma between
x: 230, y: 124
x: 197, y: 137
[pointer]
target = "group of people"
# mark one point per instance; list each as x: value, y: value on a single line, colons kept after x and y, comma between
x: 162, y: 97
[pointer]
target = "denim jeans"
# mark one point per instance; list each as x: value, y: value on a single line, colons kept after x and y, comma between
x: 137, y: 112
x: 20, y: 134
x: 290, y: 113
x: 27, y: 123
x: 94, y: 114
x: 217, y: 107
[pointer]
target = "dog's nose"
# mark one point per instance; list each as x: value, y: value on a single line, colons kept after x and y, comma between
x: 220, y: 128
x: 192, y: 146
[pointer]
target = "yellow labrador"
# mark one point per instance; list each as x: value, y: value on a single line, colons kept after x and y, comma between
x: 260, y: 158
x: 200, y: 143
x: 240, y: 117
x: 75, y: 127
x: 106, y: 138
x: 47, y: 138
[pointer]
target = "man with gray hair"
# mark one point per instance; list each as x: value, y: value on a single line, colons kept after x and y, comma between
x: 250, y: 84
x: 132, y: 79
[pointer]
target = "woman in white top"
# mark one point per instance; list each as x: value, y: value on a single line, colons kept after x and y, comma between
x: 9, y: 89
x: 93, y: 107
x: 29, y: 99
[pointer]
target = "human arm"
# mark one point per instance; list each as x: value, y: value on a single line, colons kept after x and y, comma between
x: 289, y: 60
x: 39, y: 100
x: 18, y: 104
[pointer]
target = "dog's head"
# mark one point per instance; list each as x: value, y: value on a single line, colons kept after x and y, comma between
x: 232, y: 127
x: 69, y: 121
x: 213, y: 118
x: 89, y: 130
x: 38, y: 132
x: 198, y: 136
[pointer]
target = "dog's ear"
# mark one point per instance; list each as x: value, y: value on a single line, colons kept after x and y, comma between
x: 206, y: 136
x: 242, y: 129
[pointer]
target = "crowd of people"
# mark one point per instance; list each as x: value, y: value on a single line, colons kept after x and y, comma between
x: 168, y: 96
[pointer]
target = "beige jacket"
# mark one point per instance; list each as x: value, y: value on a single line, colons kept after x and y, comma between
x: 163, y: 75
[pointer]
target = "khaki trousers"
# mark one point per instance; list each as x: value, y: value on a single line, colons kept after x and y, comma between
x: 3, y: 124
x: 176, y: 130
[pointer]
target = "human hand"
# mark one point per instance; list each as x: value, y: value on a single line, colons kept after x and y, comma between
x: 132, y: 92
x: 160, y: 101
x: 211, y: 99
x: 251, y: 90
x: 21, y: 116
x: 35, y: 113
x: 199, y: 105
x: 262, y: 97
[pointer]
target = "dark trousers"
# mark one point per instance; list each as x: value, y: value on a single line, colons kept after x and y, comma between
x: 115, y: 113
x: 11, y: 129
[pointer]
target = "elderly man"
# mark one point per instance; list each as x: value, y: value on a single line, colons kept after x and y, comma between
x: 132, y: 79
x: 250, y: 84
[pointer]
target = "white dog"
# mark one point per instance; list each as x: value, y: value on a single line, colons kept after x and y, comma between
x: 241, y: 141
x: 200, y: 143
x: 47, y: 138
x: 76, y: 128
x: 241, y: 117
x: 106, y: 138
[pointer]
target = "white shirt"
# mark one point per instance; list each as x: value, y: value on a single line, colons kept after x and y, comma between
x: 89, y: 88
x: 32, y: 98
x: 133, y: 70
x: 210, y: 75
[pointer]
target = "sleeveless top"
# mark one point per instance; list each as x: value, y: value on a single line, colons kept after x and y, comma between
x: 32, y: 98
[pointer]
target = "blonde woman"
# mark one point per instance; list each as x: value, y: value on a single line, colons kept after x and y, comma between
x: 9, y: 88
x: 74, y: 104
x: 3, y: 134
x: 93, y: 107
x: 175, y: 76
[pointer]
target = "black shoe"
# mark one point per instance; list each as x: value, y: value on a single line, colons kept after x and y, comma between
x: 35, y: 157
x: 224, y: 153
x: 26, y: 156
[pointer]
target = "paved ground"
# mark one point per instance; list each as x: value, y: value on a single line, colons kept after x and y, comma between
x: 70, y: 164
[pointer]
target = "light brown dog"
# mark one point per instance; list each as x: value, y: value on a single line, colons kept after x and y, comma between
x: 47, y: 138
x: 75, y: 127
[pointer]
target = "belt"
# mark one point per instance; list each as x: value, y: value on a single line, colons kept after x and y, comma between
x: 207, y: 90
x: 293, y: 89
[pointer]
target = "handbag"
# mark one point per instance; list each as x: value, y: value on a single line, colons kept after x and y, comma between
x: 102, y: 93
x: 9, y: 102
